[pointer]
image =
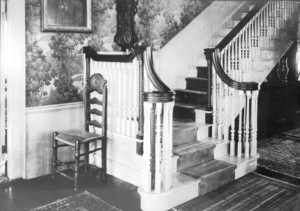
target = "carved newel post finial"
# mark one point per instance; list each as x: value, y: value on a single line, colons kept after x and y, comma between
x: 126, y: 36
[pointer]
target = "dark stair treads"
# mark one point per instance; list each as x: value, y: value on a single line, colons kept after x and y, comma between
x: 212, y: 174
x: 198, y: 84
x: 184, y: 132
x: 193, y: 153
x: 202, y: 72
x: 191, y: 96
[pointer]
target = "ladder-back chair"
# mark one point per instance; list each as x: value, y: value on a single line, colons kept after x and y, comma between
x: 95, y: 97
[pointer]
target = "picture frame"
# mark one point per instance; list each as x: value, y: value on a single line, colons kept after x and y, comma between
x: 66, y: 16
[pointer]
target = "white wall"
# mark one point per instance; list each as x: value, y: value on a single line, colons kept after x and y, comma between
x: 186, y: 50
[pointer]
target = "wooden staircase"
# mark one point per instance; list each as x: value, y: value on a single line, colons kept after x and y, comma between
x: 200, y: 160
x: 196, y: 158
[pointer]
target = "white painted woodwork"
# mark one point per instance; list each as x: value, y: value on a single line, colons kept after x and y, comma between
x: 122, y: 102
x: 15, y: 68
x: 185, y: 50
x: 3, y: 67
x: 249, y: 56
x: 163, y: 134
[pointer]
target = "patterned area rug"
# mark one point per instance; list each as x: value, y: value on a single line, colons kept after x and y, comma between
x: 251, y: 192
x: 84, y: 201
x: 280, y: 154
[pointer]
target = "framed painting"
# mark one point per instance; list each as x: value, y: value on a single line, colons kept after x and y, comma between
x: 66, y: 15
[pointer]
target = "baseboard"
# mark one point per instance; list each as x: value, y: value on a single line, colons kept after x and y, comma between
x: 184, y: 188
x: 121, y: 171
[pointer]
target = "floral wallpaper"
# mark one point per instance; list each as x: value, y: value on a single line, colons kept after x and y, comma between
x: 54, y: 65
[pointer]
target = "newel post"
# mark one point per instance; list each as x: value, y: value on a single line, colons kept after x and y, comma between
x: 208, y: 56
x: 158, y: 142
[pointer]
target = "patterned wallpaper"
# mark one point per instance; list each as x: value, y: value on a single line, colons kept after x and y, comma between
x: 54, y: 66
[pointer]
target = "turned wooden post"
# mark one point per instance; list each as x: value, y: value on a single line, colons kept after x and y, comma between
x: 139, y: 50
x: 208, y: 56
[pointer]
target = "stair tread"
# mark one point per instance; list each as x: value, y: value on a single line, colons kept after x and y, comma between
x: 191, y: 147
x: 191, y: 91
x: 207, y: 169
x: 196, y: 78
x: 179, y: 125
x: 189, y: 105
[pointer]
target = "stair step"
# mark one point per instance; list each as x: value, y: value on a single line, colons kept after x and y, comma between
x: 202, y: 72
x: 191, y: 96
x: 212, y: 174
x: 184, y: 132
x: 198, y: 84
x: 193, y: 153
x: 186, y: 110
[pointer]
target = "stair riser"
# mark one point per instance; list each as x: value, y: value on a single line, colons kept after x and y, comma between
x: 195, y: 158
x: 202, y: 72
x: 203, y: 116
x: 215, y: 181
x: 203, y: 132
x: 184, y: 113
x: 192, y: 98
x: 195, y: 84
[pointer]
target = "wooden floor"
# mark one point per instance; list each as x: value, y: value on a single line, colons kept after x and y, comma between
x: 252, y: 192
x: 25, y: 195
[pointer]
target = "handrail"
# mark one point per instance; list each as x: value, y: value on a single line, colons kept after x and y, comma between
x: 91, y: 52
x: 226, y: 40
x: 245, y: 86
x: 288, y: 48
x: 154, y: 78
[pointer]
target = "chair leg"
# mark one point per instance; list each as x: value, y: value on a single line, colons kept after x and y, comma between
x: 54, y: 154
x: 77, y: 158
x: 86, y: 156
x: 103, y: 153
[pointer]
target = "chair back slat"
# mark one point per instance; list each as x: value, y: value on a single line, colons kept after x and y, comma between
x: 94, y: 111
x: 95, y: 102
x: 94, y: 123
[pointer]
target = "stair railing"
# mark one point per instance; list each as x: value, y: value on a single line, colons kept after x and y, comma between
x: 235, y: 61
x: 122, y: 71
x: 139, y: 105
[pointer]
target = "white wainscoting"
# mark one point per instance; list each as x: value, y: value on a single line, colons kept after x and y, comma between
x: 41, y: 122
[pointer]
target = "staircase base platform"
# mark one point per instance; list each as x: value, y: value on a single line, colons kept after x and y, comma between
x: 244, y: 165
x: 184, y: 188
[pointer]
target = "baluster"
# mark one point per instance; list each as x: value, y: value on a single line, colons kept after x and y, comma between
x: 128, y: 97
x: 158, y: 148
x: 232, y: 141
x: 135, y: 99
x: 142, y: 83
x: 247, y: 122
x: 167, y: 144
x: 146, y: 183
x: 208, y: 57
x: 214, y: 98
x: 220, y: 90
x: 226, y: 127
x: 253, y: 149
x: 239, y: 145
